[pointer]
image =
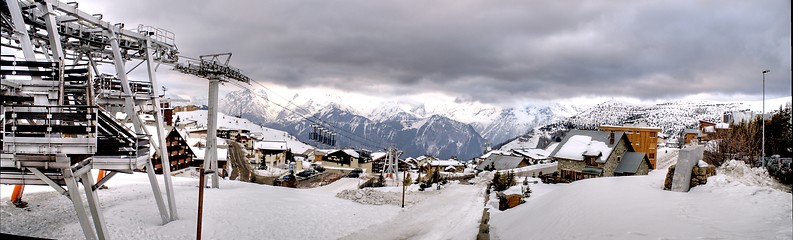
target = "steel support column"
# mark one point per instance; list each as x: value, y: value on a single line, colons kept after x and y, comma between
x: 211, y: 156
x: 163, y: 146
x: 93, y: 205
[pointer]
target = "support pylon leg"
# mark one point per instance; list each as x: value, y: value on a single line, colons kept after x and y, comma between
x: 93, y: 204
x: 16, y: 196
x: 77, y: 201
x: 155, y: 187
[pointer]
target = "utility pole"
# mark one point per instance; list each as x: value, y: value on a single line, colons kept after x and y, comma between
x: 763, y: 116
x: 404, y: 186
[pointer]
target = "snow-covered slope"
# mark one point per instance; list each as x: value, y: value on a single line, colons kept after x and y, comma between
x: 517, y: 121
x: 727, y: 207
x: 237, y: 210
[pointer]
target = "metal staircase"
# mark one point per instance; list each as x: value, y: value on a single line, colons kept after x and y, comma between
x: 120, y: 148
x: 58, y: 120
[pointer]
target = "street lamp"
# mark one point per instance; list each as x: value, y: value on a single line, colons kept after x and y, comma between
x: 763, y: 116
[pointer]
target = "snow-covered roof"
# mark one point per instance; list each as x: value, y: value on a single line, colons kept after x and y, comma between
x: 378, y: 155
x: 444, y: 163
x: 596, y: 148
x: 691, y: 130
x: 501, y: 162
x: 633, y: 127
x: 200, y: 153
x: 580, y: 143
x: 350, y: 152
x: 270, y: 145
x: 551, y: 147
x: 533, y: 153
x: 497, y: 152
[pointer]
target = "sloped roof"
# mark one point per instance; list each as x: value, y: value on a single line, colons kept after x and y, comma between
x: 349, y: 152
x: 496, y: 152
x: 630, y: 162
x: 533, y: 153
x: 501, y: 162
x: 443, y: 163
x: 270, y: 145
x: 577, y: 143
x: 691, y: 130
x: 378, y: 155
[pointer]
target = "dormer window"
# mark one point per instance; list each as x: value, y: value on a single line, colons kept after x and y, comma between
x: 591, y: 160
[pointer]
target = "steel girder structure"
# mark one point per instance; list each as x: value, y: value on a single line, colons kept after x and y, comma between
x: 59, y: 32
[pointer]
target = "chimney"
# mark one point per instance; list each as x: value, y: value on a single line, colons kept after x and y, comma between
x: 611, y: 138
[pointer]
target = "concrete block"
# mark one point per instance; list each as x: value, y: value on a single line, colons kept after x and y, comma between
x: 686, y: 160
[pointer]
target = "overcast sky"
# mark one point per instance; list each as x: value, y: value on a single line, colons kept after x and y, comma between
x: 486, y: 51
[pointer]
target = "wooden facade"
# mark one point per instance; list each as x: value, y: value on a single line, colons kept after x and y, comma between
x: 179, y: 153
x: 643, y: 139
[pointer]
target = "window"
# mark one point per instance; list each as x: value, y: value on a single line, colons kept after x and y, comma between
x: 651, y: 155
x: 653, y: 134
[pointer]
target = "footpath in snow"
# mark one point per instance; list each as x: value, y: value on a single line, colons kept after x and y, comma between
x: 452, y: 213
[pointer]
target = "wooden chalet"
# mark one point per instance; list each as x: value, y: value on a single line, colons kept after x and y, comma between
x: 179, y: 153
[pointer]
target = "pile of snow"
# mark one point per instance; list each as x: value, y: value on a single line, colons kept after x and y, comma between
x: 735, y: 172
x: 375, y: 197
x: 702, y: 164
x: 271, y: 172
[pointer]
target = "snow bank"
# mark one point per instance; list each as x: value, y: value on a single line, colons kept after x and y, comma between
x: 734, y: 172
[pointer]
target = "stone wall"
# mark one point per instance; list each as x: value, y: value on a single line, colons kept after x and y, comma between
x: 699, y: 176
x: 612, y: 163
x: 564, y: 164
x: 644, y: 168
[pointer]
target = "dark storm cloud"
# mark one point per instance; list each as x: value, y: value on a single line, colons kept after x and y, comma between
x: 490, y: 51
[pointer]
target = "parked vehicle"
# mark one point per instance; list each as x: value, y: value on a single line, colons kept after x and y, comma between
x: 306, y: 173
x: 286, y: 178
x: 355, y: 173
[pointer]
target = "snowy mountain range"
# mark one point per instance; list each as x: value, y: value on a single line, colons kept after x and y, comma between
x: 454, y: 130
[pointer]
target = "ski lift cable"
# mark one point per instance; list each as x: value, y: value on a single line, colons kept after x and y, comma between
x: 361, y: 140
x: 330, y: 126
